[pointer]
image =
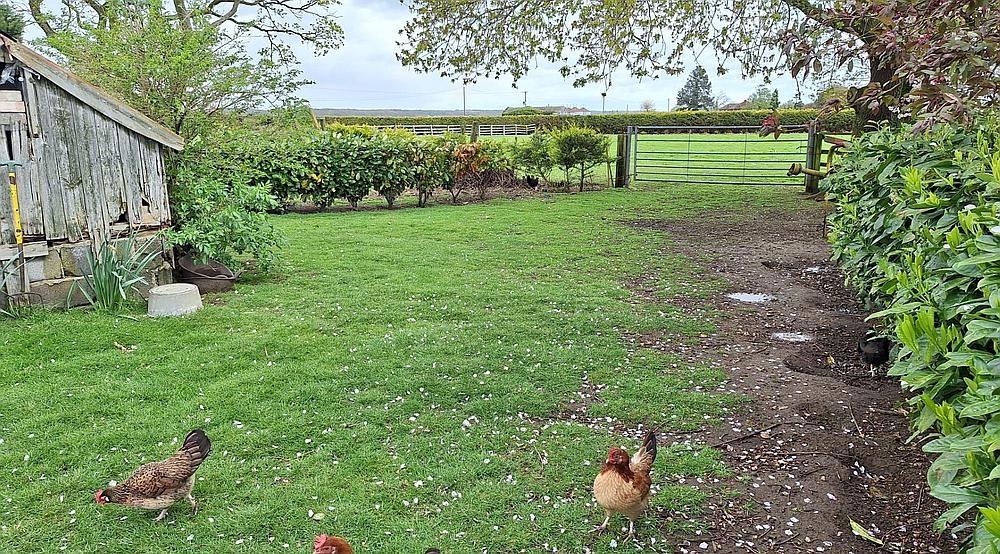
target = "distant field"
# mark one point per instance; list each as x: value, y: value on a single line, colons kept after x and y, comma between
x: 732, y: 158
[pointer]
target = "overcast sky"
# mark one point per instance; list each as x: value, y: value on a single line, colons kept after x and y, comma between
x: 364, y: 73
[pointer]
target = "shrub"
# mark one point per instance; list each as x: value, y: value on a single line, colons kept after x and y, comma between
x: 497, y: 167
x: 579, y: 150
x: 917, y: 232
x: 467, y: 159
x: 534, y: 156
x: 219, y: 217
x: 393, y: 171
x: 432, y: 167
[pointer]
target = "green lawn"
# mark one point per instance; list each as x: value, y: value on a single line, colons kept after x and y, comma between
x: 731, y: 158
x: 396, y: 374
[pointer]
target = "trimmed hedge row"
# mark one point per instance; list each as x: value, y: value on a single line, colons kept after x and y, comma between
x: 616, y: 123
x: 917, y: 231
x: 352, y: 162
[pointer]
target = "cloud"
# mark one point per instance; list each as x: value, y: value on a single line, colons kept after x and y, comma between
x: 364, y: 73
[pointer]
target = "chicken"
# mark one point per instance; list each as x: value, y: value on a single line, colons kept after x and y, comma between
x: 874, y: 351
x: 325, y: 544
x: 158, y: 485
x: 622, y: 486
x: 432, y: 551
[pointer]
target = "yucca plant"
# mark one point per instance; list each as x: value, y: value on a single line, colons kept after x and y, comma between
x: 114, y: 271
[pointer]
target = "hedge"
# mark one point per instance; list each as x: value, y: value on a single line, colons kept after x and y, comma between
x: 616, y: 123
x: 917, y: 232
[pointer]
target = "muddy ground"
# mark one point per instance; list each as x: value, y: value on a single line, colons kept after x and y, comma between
x: 822, y: 441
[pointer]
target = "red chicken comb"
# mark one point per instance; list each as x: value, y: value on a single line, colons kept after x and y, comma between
x: 320, y: 541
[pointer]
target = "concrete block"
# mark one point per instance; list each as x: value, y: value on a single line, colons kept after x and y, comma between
x: 156, y: 275
x: 174, y: 300
x: 45, y: 267
x: 74, y: 259
x: 54, y: 292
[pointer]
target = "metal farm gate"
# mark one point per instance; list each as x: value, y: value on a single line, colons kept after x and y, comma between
x: 718, y: 155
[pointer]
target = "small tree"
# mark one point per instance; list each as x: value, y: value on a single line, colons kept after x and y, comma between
x: 11, y: 22
x: 579, y: 150
x: 696, y: 94
x: 831, y: 93
x: 534, y: 156
x: 178, y: 76
x: 763, y: 99
x: 648, y: 106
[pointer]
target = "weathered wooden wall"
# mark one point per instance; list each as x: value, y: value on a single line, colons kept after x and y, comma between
x: 84, y: 175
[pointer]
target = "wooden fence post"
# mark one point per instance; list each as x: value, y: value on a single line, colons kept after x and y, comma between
x: 621, y: 169
x: 475, y: 133
x: 814, y: 158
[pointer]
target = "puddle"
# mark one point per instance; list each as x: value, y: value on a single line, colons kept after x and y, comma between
x: 750, y: 297
x: 792, y: 337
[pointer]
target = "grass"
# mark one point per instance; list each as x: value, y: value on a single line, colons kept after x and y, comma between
x: 730, y: 158
x: 398, y: 375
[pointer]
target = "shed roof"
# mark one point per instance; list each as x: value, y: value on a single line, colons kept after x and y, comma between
x: 93, y: 96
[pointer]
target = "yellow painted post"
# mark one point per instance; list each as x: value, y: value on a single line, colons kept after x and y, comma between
x: 18, y: 230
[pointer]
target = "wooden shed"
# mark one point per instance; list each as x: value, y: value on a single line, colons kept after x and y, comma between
x: 92, y: 167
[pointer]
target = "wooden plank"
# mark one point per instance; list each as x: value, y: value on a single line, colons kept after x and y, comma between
x: 12, y: 107
x: 28, y: 185
x: 130, y: 180
x: 155, y: 186
x: 30, y: 93
x: 111, y: 175
x: 11, y: 96
x: 31, y: 250
x: 81, y: 183
x: 52, y: 159
x: 6, y: 209
x: 92, y: 96
x: 98, y: 216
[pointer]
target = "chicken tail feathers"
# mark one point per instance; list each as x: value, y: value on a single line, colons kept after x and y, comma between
x: 197, y: 447
x: 643, y: 459
x: 649, y: 445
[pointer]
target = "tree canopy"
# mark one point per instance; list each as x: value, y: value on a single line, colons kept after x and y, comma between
x: 941, y: 54
x: 11, y: 22
x: 696, y: 94
x: 310, y: 21
x: 181, y: 76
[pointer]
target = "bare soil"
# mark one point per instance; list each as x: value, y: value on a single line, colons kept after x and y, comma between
x: 822, y: 442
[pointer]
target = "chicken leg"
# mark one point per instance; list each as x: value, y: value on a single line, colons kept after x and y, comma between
x: 194, y: 504
x: 604, y: 526
x: 159, y: 518
x: 631, y: 529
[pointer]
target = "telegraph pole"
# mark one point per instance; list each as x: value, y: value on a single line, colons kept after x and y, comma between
x: 463, y: 101
x: 604, y: 98
x: 525, y: 99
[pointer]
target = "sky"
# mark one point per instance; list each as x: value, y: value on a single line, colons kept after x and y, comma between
x: 364, y: 73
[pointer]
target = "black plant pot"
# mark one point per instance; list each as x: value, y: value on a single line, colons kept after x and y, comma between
x: 209, y: 277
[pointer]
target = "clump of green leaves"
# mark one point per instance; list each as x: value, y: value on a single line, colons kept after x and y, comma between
x: 115, y: 270
x: 11, y: 22
x: 577, y: 151
x: 534, y: 156
x: 917, y: 231
x: 219, y: 203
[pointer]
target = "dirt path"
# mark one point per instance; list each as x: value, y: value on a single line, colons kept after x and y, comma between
x: 822, y: 440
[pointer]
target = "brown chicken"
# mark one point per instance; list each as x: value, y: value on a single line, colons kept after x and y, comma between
x: 622, y: 486
x: 325, y: 544
x: 158, y: 485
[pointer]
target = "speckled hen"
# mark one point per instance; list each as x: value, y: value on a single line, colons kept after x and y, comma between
x: 158, y: 485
